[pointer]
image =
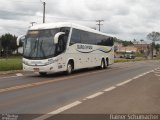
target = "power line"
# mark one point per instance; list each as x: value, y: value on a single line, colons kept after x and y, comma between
x: 55, y: 17
x: 25, y: 1
x: 99, y: 23
x: 74, y: 19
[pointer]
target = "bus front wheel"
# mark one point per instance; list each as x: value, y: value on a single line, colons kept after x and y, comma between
x: 42, y: 73
x: 69, y: 68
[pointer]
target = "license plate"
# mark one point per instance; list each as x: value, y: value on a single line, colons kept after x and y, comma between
x: 36, y: 69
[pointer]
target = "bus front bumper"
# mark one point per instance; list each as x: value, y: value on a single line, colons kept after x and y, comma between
x: 47, y: 68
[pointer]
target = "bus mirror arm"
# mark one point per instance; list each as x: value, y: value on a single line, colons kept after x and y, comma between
x: 56, y: 37
x: 19, y: 38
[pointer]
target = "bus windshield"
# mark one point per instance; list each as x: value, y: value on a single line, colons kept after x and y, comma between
x: 39, y: 44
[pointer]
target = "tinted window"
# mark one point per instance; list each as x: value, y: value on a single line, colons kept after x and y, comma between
x: 75, y: 37
x: 79, y: 36
x: 92, y: 38
x: 85, y: 37
x: 88, y: 38
x: 105, y: 41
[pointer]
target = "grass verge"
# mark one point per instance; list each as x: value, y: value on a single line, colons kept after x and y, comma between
x: 128, y: 60
x: 11, y: 64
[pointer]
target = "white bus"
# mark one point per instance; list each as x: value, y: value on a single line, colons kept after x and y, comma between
x: 57, y: 47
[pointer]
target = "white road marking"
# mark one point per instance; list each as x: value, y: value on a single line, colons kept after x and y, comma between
x: 125, y: 82
x: 65, y: 107
x: 157, y: 72
x: 50, y: 114
x: 19, y: 74
x: 138, y: 76
x: 157, y: 75
x: 109, y: 89
x: 8, y: 77
x: 157, y: 69
x: 149, y: 71
x: 94, y: 95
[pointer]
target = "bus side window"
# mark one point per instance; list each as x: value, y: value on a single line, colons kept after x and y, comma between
x: 76, y: 37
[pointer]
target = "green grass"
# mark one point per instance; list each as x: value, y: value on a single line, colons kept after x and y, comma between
x: 11, y: 64
x: 128, y: 60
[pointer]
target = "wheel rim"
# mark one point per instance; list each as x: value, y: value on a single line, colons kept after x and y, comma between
x: 102, y: 64
x: 69, y: 68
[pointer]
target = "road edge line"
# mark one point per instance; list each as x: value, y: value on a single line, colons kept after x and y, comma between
x: 55, y: 112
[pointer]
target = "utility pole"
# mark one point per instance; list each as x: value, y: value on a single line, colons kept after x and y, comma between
x: 99, y: 23
x: 44, y: 10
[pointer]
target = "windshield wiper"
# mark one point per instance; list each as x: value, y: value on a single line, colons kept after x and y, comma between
x: 41, y: 49
x: 34, y: 48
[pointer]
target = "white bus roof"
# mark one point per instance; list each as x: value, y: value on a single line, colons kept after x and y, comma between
x: 65, y: 24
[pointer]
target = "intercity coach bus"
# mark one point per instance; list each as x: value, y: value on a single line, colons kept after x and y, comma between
x: 57, y: 47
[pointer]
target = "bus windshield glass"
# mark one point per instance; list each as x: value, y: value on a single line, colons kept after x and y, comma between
x: 39, y: 44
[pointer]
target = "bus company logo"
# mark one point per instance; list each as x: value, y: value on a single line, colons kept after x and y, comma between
x: 84, y: 47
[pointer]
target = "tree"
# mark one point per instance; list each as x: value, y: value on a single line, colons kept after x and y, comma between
x: 154, y: 36
x: 157, y: 47
x: 127, y: 43
x: 0, y: 44
x: 135, y: 41
x: 0, y: 47
x: 8, y: 42
x: 142, y: 41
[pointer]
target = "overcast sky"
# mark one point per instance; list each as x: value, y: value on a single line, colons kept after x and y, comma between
x: 126, y: 19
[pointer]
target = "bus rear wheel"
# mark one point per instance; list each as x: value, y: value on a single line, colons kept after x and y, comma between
x: 107, y: 63
x: 102, y: 66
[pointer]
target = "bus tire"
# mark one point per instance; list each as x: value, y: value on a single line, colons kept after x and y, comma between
x: 107, y: 63
x: 43, y: 73
x: 69, y: 68
x: 102, y: 66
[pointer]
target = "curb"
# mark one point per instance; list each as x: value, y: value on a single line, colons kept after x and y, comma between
x: 10, y: 72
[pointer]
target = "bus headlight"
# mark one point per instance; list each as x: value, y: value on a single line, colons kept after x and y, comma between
x: 48, y: 63
x: 51, y: 61
x: 25, y: 62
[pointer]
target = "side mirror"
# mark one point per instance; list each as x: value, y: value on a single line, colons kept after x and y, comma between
x: 56, y: 37
x: 20, y: 38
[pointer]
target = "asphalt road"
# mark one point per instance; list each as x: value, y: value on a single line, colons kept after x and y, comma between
x: 36, y: 95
